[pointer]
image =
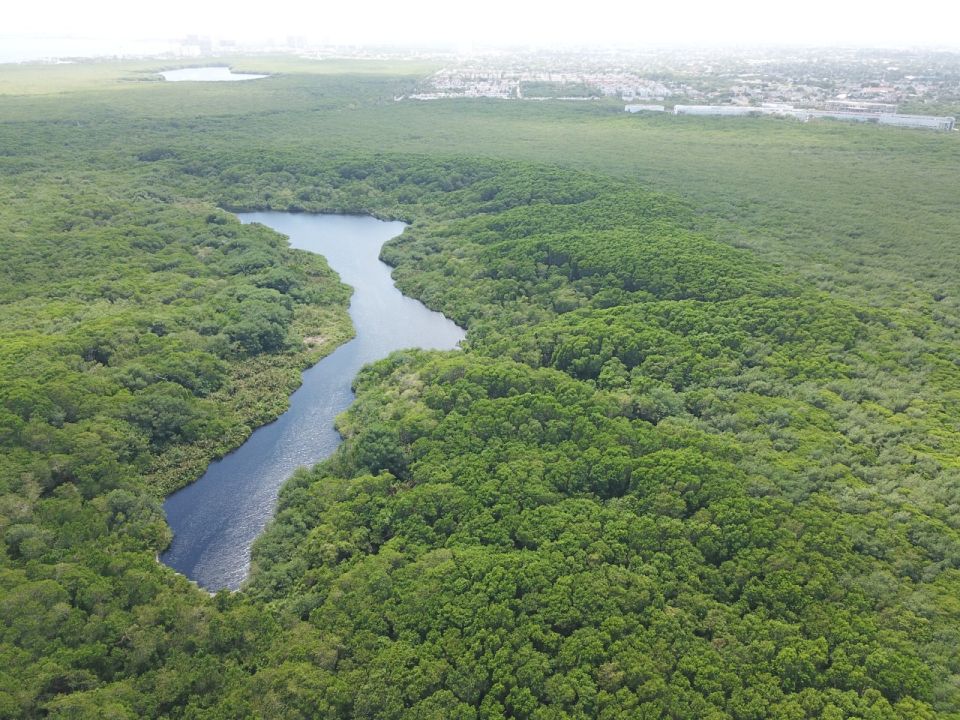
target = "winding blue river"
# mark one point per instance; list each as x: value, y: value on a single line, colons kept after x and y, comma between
x: 216, y: 519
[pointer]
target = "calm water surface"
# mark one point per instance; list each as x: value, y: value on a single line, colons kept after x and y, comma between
x: 207, y: 74
x: 216, y: 519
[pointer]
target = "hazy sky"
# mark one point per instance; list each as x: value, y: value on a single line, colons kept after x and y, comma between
x: 539, y: 22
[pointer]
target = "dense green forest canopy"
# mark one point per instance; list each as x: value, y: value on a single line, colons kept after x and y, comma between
x: 697, y: 459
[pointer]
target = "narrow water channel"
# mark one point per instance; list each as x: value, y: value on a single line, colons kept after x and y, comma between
x: 216, y: 519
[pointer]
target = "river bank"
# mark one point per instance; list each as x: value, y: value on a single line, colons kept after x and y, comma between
x: 216, y: 519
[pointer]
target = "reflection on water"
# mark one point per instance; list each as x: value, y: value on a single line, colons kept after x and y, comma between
x: 206, y: 74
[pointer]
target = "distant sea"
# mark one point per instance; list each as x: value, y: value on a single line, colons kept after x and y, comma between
x: 30, y: 49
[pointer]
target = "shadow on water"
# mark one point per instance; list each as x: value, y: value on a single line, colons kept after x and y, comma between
x: 216, y: 519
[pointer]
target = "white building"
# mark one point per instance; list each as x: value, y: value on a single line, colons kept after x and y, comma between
x: 919, y: 121
x: 929, y: 122
x: 725, y: 110
x: 861, y: 107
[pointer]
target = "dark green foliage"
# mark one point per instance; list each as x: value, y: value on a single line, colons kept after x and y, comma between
x: 684, y: 493
x: 666, y: 477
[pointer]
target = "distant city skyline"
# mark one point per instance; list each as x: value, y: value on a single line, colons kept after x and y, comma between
x: 465, y: 26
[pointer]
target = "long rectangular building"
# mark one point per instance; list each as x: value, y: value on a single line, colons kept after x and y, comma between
x: 725, y: 110
x: 928, y: 122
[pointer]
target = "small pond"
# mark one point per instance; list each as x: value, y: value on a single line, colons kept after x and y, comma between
x: 207, y: 74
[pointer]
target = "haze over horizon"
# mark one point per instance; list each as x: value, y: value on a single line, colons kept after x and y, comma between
x: 116, y: 28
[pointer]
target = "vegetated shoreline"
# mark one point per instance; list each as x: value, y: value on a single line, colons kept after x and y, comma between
x: 213, y: 530
x: 194, y: 583
x: 171, y: 479
x: 305, y: 357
